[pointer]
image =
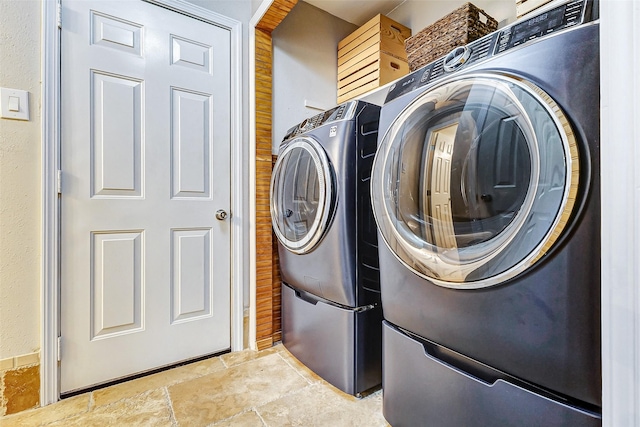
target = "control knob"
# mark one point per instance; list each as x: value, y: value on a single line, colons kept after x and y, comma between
x: 456, y: 58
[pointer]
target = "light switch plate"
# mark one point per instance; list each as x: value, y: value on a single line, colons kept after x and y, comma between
x: 12, y: 99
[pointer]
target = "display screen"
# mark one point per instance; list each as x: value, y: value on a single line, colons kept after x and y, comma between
x: 407, y: 84
x: 537, y: 26
x: 328, y: 114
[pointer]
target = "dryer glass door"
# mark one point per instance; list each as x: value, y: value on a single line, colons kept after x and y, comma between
x: 475, y: 180
x: 301, y: 195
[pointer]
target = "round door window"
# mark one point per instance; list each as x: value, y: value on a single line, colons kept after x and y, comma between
x: 475, y: 180
x: 301, y: 195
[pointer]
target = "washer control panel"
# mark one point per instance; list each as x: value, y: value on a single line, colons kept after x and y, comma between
x: 343, y: 111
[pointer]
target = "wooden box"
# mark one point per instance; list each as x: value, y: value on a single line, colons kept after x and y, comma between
x: 460, y: 27
x: 371, y: 56
x: 525, y: 6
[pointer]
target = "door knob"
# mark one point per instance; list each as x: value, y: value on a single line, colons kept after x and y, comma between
x: 221, y: 214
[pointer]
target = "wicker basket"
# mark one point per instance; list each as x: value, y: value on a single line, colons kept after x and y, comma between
x: 462, y: 26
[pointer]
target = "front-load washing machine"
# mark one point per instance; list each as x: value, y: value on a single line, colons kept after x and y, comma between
x: 328, y: 247
x: 486, y: 192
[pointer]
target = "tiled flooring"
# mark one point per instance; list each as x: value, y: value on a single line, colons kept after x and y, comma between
x: 243, y: 389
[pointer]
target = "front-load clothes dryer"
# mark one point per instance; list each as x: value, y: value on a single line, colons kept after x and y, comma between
x: 486, y: 192
x: 327, y: 245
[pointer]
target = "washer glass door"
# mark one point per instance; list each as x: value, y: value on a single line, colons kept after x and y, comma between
x: 301, y: 195
x: 475, y: 180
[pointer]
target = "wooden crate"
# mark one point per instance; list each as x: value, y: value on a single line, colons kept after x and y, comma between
x: 525, y: 6
x: 371, y: 56
x: 460, y: 27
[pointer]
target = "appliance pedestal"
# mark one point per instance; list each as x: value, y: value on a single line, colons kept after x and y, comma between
x: 341, y: 345
x: 424, y: 385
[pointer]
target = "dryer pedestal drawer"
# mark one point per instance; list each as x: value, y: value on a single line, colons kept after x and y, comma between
x: 421, y: 389
x: 343, y: 346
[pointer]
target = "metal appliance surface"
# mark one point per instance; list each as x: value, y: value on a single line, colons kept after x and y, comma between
x: 485, y: 189
x: 328, y: 247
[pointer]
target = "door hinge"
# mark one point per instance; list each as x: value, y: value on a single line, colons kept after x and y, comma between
x: 59, y: 181
x: 59, y: 14
x: 59, y: 349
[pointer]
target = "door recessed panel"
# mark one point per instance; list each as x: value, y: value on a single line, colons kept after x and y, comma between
x: 117, y: 282
x: 115, y: 33
x: 191, y: 274
x: 190, y: 54
x: 117, y: 139
x: 190, y: 144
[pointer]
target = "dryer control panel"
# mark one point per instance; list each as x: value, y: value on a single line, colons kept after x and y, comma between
x: 545, y: 23
x: 561, y: 17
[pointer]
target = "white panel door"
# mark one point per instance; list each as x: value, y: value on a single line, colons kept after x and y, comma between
x: 145, y: 158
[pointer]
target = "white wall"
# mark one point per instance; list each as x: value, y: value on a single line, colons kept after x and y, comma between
x: 236, y: 9
x: 255, y: 4
x: 418, y: 14
x: 20, y: 192
x: 305, y: 58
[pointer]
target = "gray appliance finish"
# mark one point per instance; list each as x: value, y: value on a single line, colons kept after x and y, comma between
x: 328, y: 247
x: 486, y: 192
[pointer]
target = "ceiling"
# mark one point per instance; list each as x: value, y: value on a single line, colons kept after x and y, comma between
x: 356, y: 11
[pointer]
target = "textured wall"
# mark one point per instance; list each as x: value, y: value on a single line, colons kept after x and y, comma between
x: 419, y: 14
x: 20, y: 175
x: 305, y: 66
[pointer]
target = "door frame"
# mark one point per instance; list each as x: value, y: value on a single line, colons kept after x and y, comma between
x: 51, y: 149
x: 619, y: 107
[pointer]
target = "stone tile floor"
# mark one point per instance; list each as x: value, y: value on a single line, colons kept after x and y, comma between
x: 243, y: 389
